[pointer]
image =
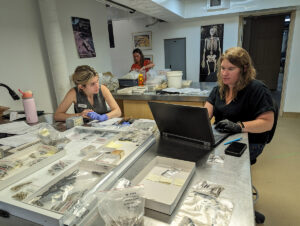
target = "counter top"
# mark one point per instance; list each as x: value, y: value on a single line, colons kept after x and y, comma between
x: 234, y: 175
x: 170, y: 97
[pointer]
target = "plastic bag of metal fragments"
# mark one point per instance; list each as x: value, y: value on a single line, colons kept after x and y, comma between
x: 67, y: 190
x: 51, y: 136
x: 215, y: 159
x: 122, y: 207
x: 208, y: 188
x: 204, y: 210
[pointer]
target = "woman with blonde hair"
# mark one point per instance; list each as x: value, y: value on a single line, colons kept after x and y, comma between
x: 240, y: 103
x: 89, y: 98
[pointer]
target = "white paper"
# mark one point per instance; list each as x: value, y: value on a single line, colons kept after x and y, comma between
x: 191, y: 91
x: 18, y: 140
x: 14, y: 128
x: 13, y: 116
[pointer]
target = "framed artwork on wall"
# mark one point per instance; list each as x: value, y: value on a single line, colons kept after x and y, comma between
x: 148, y: 57
x: 211, y: 48
x: 83, y: 37
x: 142, y: 40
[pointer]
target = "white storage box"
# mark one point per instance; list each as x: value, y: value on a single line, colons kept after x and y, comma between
x: 165, y: 180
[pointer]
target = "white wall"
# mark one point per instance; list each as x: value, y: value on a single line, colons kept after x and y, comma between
x: 122, y: 55
x: 24, y: 61
x: 292, y: 103
x: 96, y: 13
x: 122, y: 58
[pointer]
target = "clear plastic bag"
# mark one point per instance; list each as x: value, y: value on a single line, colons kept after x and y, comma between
x: 122, y: 183
x: 59, y: 166
x: 208, y: 188
x: 62, y: 195
x: 122, y: 207
x: 202, y: 209
x: 23, y: 190
x: 51, y: 136
x: 109, y: 80
x: 7, y: 166
x: 215, y: 159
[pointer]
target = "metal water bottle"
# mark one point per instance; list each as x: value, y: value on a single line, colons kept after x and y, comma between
x: 29, y: 107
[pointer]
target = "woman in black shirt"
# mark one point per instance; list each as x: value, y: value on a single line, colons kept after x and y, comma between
x: 240, y: 103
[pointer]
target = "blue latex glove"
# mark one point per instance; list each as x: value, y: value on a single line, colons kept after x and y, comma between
x: 93, y: 115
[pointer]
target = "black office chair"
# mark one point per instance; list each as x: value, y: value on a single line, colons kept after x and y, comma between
x: 259, y: 217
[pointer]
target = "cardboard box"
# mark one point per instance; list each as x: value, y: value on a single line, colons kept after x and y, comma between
x: 165, y: 179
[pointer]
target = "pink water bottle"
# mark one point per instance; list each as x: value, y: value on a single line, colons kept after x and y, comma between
x: 29, y: 107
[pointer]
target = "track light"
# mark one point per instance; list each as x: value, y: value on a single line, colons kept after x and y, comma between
x: 110, y: 3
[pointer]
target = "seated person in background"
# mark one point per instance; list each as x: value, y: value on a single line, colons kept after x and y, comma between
x: 140, y: 63
x: 89, y: 99
x: 240, y: 103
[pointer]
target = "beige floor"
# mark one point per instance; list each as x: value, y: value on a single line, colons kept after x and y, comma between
x: 276, y: 175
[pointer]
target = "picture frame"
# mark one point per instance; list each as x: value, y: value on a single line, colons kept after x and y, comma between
x: 142, y: 40
x: 217, y: 4
x: 83, y: 37
x: 148, y: 57
x: 211, y: 48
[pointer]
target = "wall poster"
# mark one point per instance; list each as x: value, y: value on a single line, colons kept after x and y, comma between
x: 83, y: 37
x: 211, y: 47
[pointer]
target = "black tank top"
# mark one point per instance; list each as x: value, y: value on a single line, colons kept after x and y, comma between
x: 82, y: 102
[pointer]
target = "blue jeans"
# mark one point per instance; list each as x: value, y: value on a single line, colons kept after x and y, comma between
x: 255, y: 150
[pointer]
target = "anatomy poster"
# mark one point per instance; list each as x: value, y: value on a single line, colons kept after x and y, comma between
x: 211, y: 48
x: 83, y: 37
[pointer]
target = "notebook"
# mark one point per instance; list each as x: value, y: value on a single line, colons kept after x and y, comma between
x: 186, y: 122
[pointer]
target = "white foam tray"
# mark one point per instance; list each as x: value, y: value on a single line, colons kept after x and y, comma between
x: 159, y: 196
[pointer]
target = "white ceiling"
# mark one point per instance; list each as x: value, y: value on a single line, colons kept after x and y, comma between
x: 150, y: 8
x: 179, y: 10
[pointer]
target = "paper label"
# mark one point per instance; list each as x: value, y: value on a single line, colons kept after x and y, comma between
x: 82, y: 105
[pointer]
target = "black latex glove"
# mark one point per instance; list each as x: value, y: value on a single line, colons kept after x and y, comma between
x: 228, y: 126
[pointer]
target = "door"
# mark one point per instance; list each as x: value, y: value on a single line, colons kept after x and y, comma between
x: 262, y: 38
x: 175, y: 55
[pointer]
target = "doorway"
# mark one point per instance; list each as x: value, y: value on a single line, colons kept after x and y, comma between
x: 175, y: 55
x: 265, y: 38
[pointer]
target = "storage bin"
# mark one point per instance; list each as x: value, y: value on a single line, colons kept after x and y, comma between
x: 127, y: 82
x: 174, y: 79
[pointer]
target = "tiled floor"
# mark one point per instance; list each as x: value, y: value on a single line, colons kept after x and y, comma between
x: 276, y: 175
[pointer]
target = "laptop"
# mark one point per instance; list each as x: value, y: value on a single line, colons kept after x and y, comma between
x: 186, y: 122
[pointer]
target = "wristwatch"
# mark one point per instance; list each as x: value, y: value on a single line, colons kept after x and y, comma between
x: 242, y: 124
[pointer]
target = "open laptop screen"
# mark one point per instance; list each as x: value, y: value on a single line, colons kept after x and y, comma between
x: 187, y: 122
